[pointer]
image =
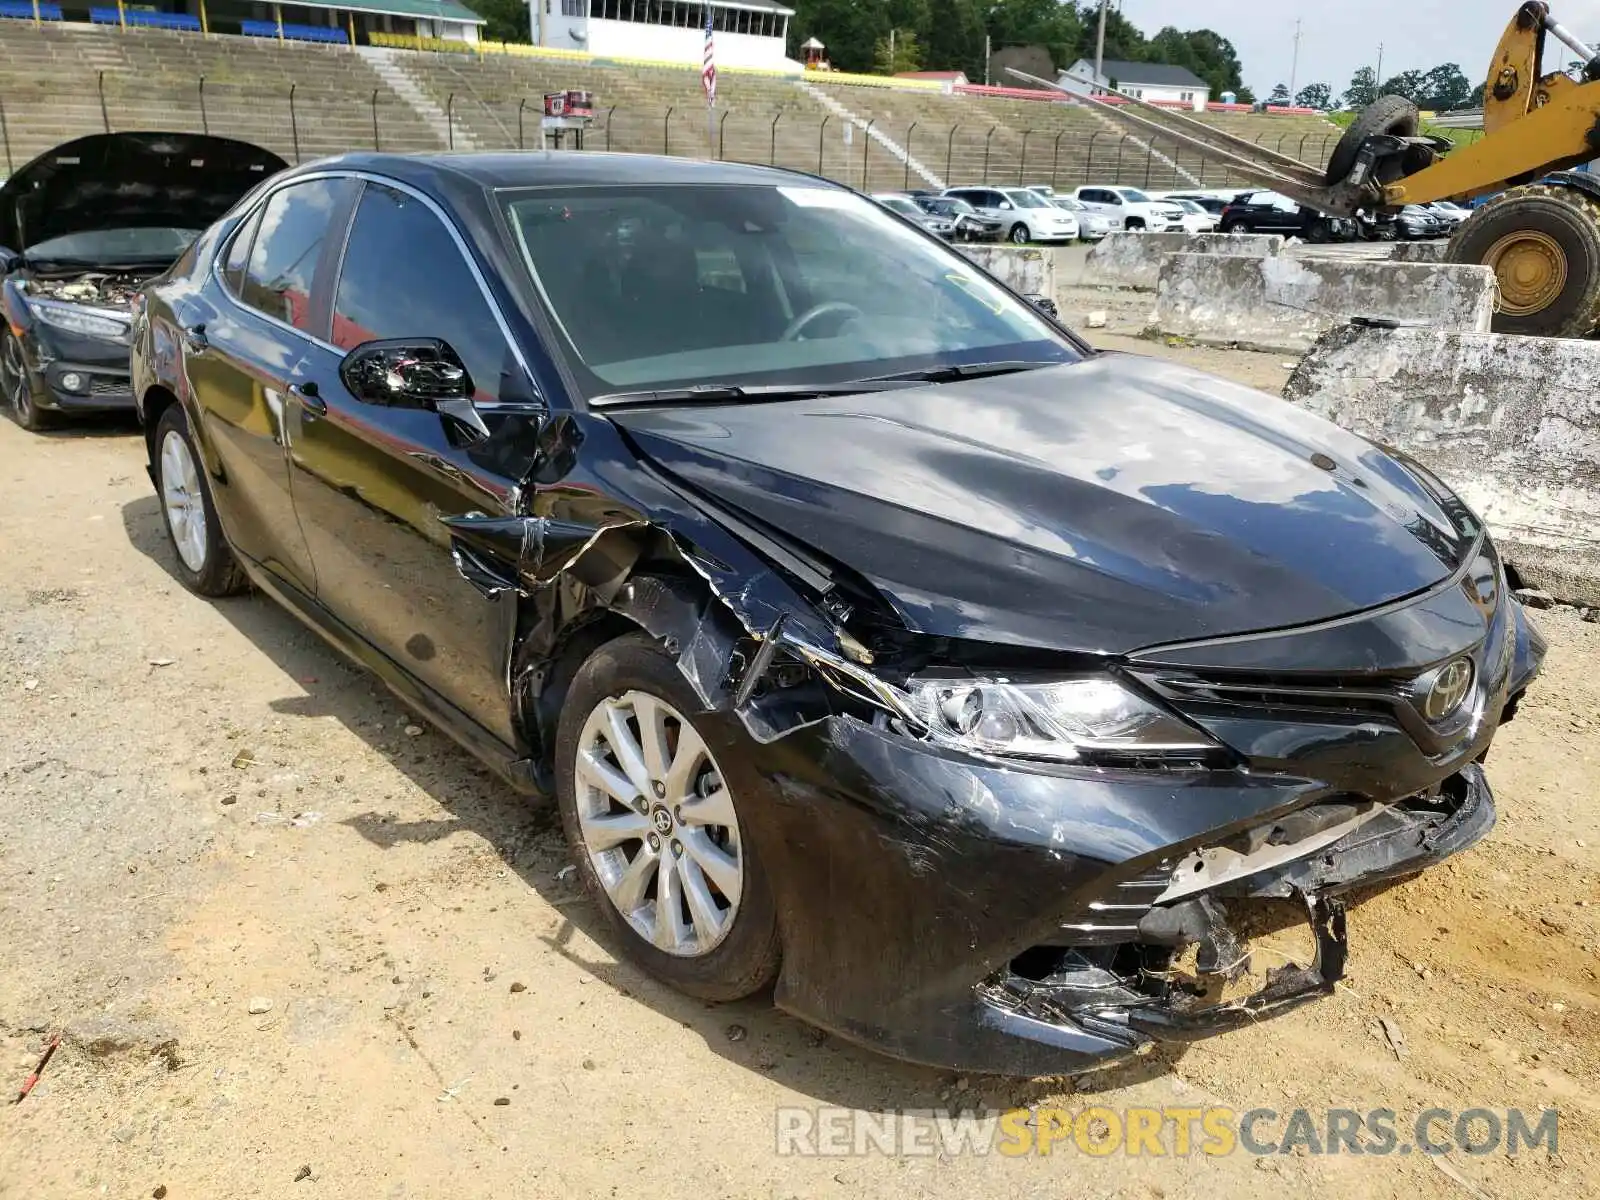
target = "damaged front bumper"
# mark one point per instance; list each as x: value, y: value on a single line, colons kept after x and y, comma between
x: 982, y: 917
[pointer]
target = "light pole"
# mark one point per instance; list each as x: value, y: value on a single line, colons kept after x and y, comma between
x: 1294, y: 63
x: 1100, y: 44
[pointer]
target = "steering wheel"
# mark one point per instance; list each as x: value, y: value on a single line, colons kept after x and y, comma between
x: 796, y: 327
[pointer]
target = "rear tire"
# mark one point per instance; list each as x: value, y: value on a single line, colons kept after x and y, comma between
x: 1543, y: 243
x: 1235, y: 227
x: 204, y: 561
x: 1387, y: 114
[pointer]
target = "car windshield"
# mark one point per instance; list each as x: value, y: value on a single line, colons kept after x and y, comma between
x: 900, y: 205
x: 665, y: 287
x: 1025, y: 199
x: 950, y: 205
x: 1133, y: 196
x: 156, y: 244
x: 1067, y: 203
x: 1189, y: 206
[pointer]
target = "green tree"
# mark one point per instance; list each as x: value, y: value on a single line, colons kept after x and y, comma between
x: 1315, y: 95
x: 850, y: 30
x: 1244, y: 95
x: 504, y: 20
x: 1446, y: 87
x: 1408, y: 84
x: 1280, y: 94
x: 1363, y: 89
x: 1124, y: 42
x: 954, y: 39
x: 1056, y: 27
x: 900, y: 53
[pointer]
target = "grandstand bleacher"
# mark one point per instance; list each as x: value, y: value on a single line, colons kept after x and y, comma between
x: 309, y: 93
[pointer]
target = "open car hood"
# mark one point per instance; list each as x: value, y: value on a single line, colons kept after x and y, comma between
x: 1109, y: 505
x: 128, y: 181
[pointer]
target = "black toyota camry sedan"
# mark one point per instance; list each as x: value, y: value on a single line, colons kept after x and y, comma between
x: 879, y: 641
x: 81, y: 228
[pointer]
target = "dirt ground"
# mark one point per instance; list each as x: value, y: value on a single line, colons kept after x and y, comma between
x: 205, y: 812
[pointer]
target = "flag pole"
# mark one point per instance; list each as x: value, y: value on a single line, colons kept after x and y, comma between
x: 708, y: 84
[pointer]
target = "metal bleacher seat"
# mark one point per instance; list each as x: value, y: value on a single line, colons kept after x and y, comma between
x: 134, y: 16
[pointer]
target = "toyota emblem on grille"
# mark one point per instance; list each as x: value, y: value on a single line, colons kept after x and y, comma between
x: 1450, y: 688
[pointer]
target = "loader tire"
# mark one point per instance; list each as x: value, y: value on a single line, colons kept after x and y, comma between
x: 1543, y: 243
x: 1387, y: 114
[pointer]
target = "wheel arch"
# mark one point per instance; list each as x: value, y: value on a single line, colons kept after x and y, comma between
x: 152, y: 405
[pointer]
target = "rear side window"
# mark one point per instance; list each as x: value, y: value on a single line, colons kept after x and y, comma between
x: 239, y: 253
x: 287, y: 248
x: 404, y: 276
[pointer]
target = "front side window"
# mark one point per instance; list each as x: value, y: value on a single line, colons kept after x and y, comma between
x: 667, y: 287
x: 287, y: 247
x: 404, y: 276
x: 1135, y: 196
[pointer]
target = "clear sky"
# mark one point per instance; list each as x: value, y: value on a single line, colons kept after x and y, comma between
x: 1339, y: 36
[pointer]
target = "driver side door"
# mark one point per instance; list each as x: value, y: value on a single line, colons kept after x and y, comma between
x: 373, y: 483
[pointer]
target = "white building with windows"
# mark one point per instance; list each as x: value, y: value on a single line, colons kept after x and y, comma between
x: 747, y: 33
x: 1154, y: 83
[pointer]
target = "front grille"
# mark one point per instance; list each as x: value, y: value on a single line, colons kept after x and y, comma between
x: 108, y: 385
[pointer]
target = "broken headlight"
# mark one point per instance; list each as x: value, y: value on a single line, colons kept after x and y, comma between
x: 75, y: 318
x: 1056, y: 719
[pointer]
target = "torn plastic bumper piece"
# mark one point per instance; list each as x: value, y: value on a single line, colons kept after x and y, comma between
x: 1287, y: 987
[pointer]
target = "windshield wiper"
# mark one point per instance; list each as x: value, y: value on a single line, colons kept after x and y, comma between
x: 718, y: 392
x: 950, y: 374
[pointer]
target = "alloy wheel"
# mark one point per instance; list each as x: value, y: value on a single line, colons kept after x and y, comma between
x: 14, y: 380
x: 658, y: 823
x: 182, y: 501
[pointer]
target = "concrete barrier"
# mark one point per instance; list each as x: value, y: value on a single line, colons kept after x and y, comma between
x: 1419, y: 252
x: 1286, y: 303
x: 1134, y: 259
x: 1026, y: 269
x: 1511, y: 423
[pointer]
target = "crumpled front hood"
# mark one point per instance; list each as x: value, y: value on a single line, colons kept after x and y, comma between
x: 129, y: 181
x: 1108, y: 505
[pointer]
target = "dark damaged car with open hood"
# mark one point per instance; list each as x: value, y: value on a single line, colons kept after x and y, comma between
x: 81, y: 228
x: 880, y: 642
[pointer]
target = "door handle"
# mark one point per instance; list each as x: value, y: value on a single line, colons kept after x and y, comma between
x: 309, y: 398
x: 194, y: 337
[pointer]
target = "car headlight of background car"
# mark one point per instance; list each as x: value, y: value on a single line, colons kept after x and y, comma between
x: 1055, y: 719
x: 75, y: 318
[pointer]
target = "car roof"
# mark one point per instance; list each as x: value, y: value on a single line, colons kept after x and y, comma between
x: 557, y: 168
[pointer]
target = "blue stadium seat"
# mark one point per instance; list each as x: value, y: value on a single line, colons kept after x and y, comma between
x: 22, y: 10
x: 296, y: 33
x: 133, y: 16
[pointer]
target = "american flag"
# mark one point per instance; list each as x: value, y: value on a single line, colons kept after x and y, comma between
x: 708, y: 65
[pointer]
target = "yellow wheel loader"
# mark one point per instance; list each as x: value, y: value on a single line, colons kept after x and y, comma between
x: 1540, y: 229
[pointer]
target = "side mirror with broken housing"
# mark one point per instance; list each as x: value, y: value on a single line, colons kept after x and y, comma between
x: 415, y: 373
x: 406, y: 373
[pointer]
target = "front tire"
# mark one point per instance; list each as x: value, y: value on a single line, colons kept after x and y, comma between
x: 1018, y: 235
x: 655, y: 798
x: 205, y: 563
x: 1543, y: 243
x: 16, y: 390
